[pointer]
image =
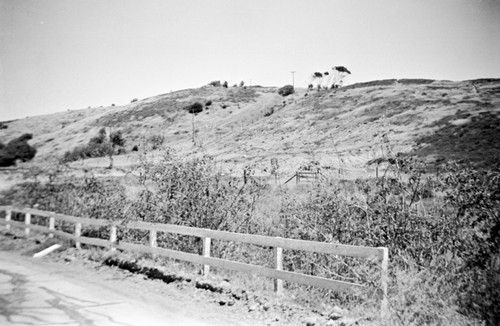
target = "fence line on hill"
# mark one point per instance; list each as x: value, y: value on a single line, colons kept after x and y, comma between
x: 278, y: 244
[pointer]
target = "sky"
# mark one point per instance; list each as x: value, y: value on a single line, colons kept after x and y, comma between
x: 59, y: 55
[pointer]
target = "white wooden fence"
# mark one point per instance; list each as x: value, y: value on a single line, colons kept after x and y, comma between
x: 278, y: 244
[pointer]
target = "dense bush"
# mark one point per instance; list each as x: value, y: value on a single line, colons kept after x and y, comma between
x: 17, y: 149
x: 6, y: 159
x: 194, y: 108
x: 450, y: 243
x: 116, y: 138
x: 286, y: 90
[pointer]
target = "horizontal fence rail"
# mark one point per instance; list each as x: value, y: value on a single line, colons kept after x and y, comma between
x: 276, y: 243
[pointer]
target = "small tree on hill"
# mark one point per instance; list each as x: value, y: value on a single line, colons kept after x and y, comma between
x: 116, y: 139
x: 194, y: 109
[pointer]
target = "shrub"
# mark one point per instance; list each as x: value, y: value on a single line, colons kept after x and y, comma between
x: 21, y: 150
x: 194, y: 193
x: 269, y: 111
x: 208, y: 103
x: 156, y: 141
x: 6, y: 159
x: 100, y: 138
x: 25, y: 137
x: 286, y: 90
x: 98, y: 146
x: 224, y: 84
x: 215, y: 83
x: 135, y: 148
x: 133, y: 100
x: 194, y: 108
x: 117, y: 139
x: 17, y: 149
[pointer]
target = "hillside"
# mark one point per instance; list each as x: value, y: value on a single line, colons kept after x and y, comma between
x: 341, y: 128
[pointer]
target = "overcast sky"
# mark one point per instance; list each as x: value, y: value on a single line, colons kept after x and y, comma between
x: 57, y: 55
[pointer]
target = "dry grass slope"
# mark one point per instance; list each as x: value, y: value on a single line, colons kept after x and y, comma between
x: 341, y: 129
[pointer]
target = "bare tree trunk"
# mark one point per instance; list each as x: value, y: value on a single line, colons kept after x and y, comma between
x: 193, y: 128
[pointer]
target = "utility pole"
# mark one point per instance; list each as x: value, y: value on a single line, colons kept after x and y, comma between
x: 293, y: 78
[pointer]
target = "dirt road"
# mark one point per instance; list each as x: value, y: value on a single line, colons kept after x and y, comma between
x: 35, y: 292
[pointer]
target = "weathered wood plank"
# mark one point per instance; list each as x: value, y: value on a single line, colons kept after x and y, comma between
x: 246, y: 268
x: 94, y: 241
x: 27, y: 221
x: 16, y: 224
x: 63, y: 217
x: 40, y: 228
x: 278, y: 265
x: 321, y: 247
x: 206, y: 253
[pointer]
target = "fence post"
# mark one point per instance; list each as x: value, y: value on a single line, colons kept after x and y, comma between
x: 152, y: 240
x: 78, y: 233
x: 278, y: 265
x: 384, y: 305
x: 206, y: 253
x: 52, y: 225
x: 8, y: 217
x: 112, y: 237
x: 27, y: 221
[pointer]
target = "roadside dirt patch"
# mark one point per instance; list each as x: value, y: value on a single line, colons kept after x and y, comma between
x: 213, y: 298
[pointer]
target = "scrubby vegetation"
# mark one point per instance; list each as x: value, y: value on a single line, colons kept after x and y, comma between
x: 286, y: 90
x: 156, y: 141
x: 194, y: 108
x: 98, y: 146
x: 442, y: 230
x: 17, y: 149
x: 473, y: 141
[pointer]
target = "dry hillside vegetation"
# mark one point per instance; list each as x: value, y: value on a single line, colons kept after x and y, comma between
x: 442, y: 229
x: 341, y: 128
